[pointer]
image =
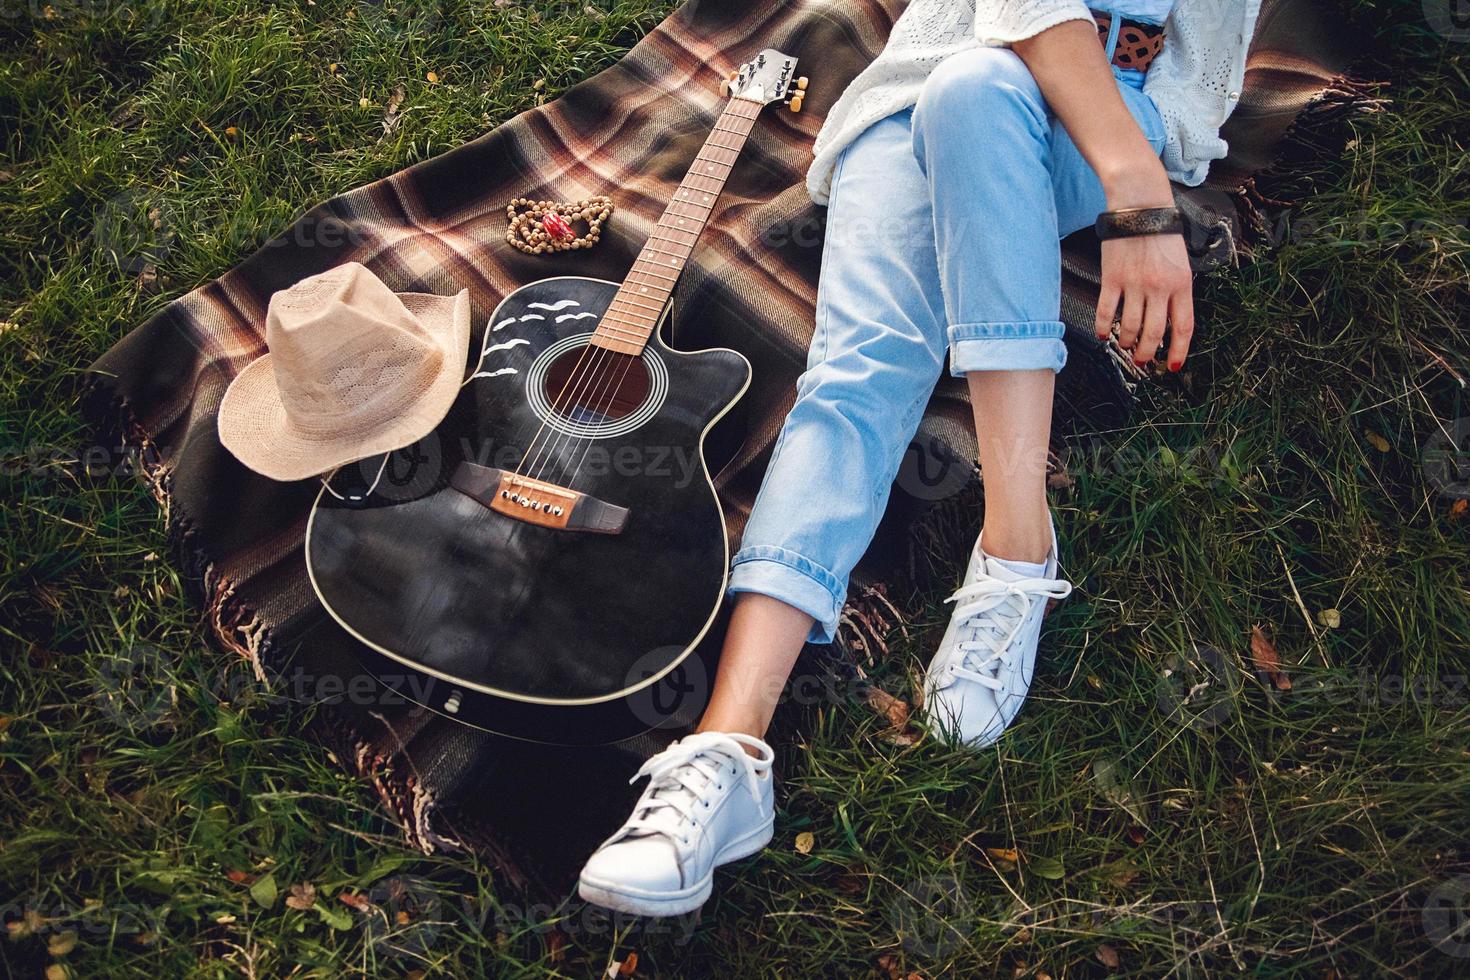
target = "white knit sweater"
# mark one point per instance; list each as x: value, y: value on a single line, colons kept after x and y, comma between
x: 1195, y: 81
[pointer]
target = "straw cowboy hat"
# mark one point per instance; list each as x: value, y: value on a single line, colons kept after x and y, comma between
x: 354, y: 369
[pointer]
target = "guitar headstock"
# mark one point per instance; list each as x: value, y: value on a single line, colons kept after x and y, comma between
x: 768, y: 77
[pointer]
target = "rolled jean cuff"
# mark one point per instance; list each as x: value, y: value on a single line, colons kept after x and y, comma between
x: 795, y: 580
x: 1026, y: 345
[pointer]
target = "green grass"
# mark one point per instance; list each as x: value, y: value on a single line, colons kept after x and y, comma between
x: 1313, y: 832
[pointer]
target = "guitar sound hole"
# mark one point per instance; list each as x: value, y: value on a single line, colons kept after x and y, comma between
x: 592, y: 385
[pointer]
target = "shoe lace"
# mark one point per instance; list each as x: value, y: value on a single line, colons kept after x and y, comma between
x: 680, y: 777
x: 993, y: 612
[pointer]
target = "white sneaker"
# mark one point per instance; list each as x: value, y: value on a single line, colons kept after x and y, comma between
x: 980, y: 676
x: 708, y: 802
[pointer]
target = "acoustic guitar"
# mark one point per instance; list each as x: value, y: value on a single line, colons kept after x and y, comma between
x: 544, y: 563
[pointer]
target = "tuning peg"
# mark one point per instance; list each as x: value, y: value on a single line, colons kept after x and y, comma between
x: 795, y: 103
x: 725, y: 85
x: 801, y: 83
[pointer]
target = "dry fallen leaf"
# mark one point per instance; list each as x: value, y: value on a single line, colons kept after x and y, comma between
x: 805, y: 841
x: 1267, y: 660
x: 390, y: 111
x: 1108, y: 957
x: 1459, y: 507
x: 897, y: 711
x: 630, y: 963
x: 1379, y: 443
x: 1330, y: 618
x: 302, y: 896
x: 556, y: 946
x: 1004, y: 854
x: 432, y: 78
x: 29, y: 923
x: 894, y: 709
x: 354, y: 900
x: 1119, y: 873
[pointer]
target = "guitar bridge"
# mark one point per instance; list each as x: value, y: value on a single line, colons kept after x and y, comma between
x: 537, y: 501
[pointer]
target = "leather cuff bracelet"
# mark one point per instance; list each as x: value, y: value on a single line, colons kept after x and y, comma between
x: 1130, y: 222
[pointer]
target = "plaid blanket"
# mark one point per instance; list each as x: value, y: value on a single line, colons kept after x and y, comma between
x: 631, y: 132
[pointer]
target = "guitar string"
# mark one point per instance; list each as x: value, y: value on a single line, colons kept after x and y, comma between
x: 608, y: 393
x: 592, y: 377
x: 606, y: 390
x: 611, y: 394
x: 588, y: 375
x: 546, y: 421
x: 583, y: 377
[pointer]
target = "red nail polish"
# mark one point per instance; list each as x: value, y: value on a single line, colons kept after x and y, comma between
x: 1175, y: 365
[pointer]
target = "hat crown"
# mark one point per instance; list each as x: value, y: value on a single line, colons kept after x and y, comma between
x: 347, y: 353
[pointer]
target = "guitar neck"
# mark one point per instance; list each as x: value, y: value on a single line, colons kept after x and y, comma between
x: 635, y: 311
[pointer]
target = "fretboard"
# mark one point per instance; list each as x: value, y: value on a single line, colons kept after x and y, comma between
x: 635, y: 311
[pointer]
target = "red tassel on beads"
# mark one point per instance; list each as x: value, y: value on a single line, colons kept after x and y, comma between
x: 557, y: 227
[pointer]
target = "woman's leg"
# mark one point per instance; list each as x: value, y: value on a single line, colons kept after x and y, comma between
x: 875, y: 355
x: 762, y: 642
x: 876, y: 352
x: 1013, y: 428
x: 1006, y: 183
x: 1006, y: 188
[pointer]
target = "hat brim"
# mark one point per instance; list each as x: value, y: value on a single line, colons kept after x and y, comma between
x: 254, y: 427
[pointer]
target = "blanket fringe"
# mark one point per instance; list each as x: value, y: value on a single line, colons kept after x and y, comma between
x: 1318, y: 132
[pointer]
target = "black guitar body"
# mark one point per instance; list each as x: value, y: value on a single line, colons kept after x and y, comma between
x: 558, y: 635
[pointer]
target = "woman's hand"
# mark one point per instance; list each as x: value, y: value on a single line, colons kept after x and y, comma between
x: 1149, y: 276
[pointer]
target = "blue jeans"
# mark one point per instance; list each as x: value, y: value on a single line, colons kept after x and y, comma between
x: 943, y: 234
